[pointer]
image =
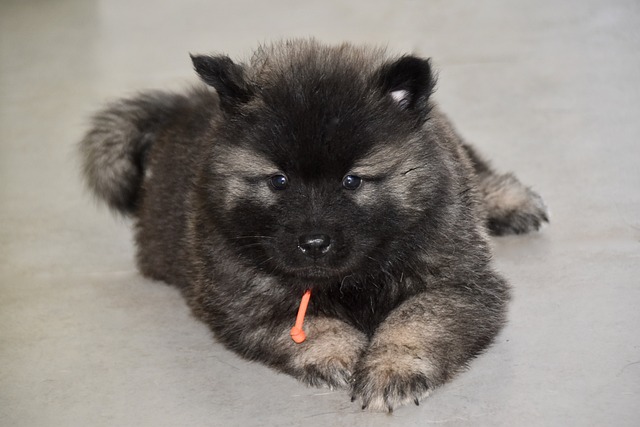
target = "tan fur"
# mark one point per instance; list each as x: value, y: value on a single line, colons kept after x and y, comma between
x: 401, y: 171
x: 245, y: 164
x: 332, y: 347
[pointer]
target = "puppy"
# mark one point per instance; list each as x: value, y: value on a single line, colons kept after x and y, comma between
x: 322, y: 168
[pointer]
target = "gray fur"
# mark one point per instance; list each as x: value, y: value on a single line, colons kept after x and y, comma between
x: 405, y: 296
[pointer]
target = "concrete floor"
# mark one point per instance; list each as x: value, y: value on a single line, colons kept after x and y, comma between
x: 549, y: 89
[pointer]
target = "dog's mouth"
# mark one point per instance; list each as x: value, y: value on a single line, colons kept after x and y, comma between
x: 318, y: 270
x: 314, y: 273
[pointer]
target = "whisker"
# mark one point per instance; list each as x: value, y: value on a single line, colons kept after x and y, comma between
x: 265, y: 261
x: 252, y: 237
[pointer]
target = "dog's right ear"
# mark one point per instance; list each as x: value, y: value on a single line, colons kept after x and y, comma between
x: 225, y: 76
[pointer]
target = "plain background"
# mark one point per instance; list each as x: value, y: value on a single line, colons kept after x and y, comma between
x: 548, y: 89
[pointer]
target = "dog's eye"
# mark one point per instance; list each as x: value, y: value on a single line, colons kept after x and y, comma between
x: 351, y: 182
x: 279, y: 182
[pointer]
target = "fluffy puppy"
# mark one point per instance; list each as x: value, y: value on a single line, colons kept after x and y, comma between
x: 317, y: 167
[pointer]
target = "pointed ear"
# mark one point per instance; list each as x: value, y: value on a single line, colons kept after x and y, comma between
x: 225, y: 76
x: 408, y: 81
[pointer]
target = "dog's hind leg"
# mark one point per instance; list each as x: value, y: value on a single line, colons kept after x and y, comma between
x: 510, y: 206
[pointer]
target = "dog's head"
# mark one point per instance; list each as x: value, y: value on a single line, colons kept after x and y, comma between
x: 321, y: 164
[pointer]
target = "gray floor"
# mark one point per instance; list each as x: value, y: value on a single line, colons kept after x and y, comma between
x: 549, y: 89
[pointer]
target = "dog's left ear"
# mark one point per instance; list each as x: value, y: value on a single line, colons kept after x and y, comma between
x: 409, y: 81
x: 226, y: 77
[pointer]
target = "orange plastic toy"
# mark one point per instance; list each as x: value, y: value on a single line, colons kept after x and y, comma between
x: 297, y: 334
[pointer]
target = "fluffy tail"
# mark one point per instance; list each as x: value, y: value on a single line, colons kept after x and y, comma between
x: 114, y: 151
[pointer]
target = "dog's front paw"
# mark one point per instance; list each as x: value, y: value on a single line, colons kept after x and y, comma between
x: 329, y: 355
x: 389, y: 377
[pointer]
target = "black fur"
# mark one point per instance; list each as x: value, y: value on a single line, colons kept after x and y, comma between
x: 404, y: 295
x: 413, y: 75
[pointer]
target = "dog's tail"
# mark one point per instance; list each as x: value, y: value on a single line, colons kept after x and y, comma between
x: 115, y: 149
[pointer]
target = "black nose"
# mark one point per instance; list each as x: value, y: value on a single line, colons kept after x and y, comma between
x: 314, y: 245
